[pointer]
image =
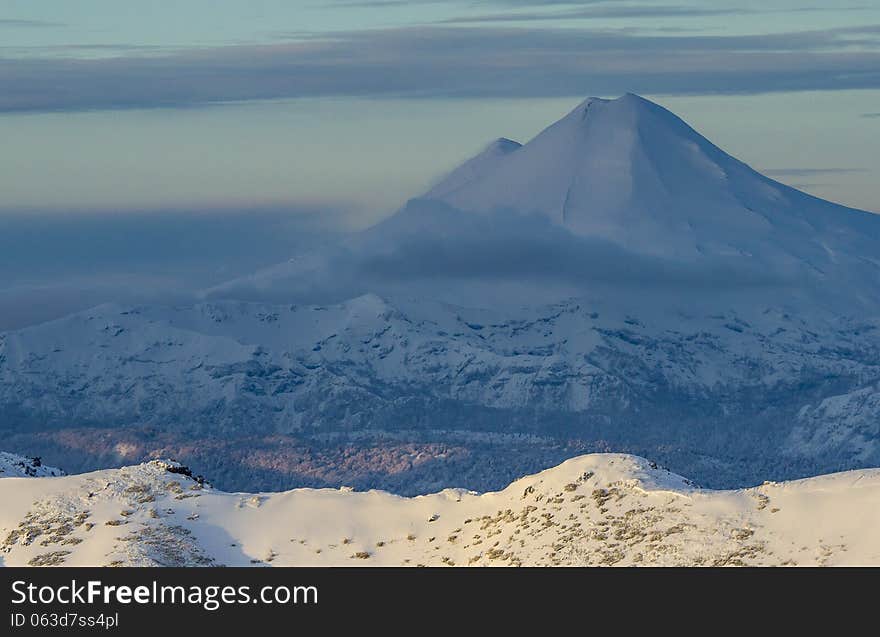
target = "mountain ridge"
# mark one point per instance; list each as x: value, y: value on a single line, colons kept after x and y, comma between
x: 386, y: 371
x: 591, y: 510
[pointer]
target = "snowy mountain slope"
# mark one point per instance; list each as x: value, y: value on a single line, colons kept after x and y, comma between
x: 617, y: 283
x: 474, y: 169
x: 846, y: 425
x: 228, y: 370
x: 369, y: 340
x: 13, y: 466
x: 601, y: 509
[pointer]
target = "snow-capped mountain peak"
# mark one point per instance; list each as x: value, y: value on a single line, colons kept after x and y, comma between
x: 631, y: 172
x: 474, y: 168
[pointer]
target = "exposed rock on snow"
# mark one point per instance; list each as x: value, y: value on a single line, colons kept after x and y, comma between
x: 14, y: 466
x: 601, y: 509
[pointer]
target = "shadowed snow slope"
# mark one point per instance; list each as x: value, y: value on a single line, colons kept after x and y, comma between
x: 601, y: 509
x: 13, y: 466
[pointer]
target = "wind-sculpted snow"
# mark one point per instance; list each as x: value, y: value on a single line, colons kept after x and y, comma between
x: 602, y: 509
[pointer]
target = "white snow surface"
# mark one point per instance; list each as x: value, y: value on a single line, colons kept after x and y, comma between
x: 599, y: 509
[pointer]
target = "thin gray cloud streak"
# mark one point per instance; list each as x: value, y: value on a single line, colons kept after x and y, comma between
x: 418, y: 62
x: 380, y: 4
x: 526, y: 4
x: 598, y: 12
x: 810, y: 172
x: 29, y: 24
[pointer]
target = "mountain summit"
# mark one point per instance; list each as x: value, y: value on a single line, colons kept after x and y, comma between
x: 629, y: 171
x: 475, y: 168
x: 617, y: 197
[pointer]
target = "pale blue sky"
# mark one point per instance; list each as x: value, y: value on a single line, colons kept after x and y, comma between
x: 221, y: 104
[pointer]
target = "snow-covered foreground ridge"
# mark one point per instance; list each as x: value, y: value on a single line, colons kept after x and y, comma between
x: 599, y: 509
